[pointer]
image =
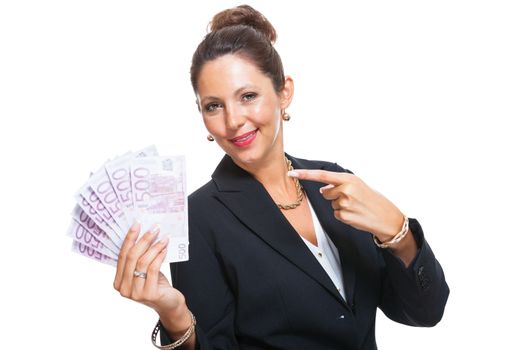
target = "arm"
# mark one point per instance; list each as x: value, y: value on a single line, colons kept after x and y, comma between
x: 200, y: 280
x: 414, y: 290
x: 138, y: 277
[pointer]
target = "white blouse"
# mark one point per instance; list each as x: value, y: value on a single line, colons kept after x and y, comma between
x: 326, y: 253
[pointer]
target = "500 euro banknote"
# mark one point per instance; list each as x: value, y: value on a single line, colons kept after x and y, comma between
x: 159, y: 198
x: 139, y: 186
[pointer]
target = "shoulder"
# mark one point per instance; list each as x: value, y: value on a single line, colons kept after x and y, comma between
x: 205, y: 190
x: 202, y: 197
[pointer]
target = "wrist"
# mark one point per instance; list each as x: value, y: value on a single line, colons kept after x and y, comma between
x: 393, y: 241
x: 177, y: 320
x: 185, y: 340
x: 387, y: 232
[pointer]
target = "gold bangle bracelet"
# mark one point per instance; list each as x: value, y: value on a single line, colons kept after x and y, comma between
x: 179, y: 341
x: 397, y: 238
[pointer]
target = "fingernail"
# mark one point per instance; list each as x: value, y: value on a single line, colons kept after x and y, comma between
x: 155, y: 229
x: 165, y: 240
x: 293, y: 173
x: 324, y: 188
x: 136, y: 226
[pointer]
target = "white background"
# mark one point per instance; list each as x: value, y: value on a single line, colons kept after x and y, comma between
x: 420, y: 99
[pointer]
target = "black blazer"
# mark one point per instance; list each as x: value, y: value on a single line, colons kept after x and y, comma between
x: 252, y: 283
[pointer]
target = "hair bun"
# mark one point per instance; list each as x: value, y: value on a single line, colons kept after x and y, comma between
x: 244, y: 15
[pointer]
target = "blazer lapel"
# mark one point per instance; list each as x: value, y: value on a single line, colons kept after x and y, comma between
x: 249, y: 201
x: 336, y: 230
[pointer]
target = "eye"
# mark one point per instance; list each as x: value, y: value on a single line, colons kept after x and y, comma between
x: 249, y: 96
x: 212, y: 107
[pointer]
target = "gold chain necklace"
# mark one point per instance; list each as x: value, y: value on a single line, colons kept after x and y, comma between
x: 299, y: 189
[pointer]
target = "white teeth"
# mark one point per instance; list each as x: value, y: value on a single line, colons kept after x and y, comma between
x: 244, y: 138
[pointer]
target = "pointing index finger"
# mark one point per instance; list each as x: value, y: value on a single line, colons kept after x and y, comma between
x: 324, y: 176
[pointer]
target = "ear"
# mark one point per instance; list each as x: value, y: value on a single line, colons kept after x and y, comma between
x: 286, y: 94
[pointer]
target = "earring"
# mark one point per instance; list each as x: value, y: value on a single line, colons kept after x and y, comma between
x: 286, y: 117
x: 210, y: 138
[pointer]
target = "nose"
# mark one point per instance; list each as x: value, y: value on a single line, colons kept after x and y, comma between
x: 234, y: 118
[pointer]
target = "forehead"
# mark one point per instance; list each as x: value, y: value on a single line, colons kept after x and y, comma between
x: 227, y: 74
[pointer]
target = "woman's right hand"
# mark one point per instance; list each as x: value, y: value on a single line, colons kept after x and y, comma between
x: 143, y: 255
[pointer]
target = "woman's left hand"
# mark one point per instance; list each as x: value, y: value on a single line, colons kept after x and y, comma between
x: 355, y: 203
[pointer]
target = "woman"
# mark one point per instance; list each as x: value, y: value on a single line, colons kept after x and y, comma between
x: 279, y: 258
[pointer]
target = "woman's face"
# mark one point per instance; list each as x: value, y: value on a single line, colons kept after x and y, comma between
x: 241, y: 109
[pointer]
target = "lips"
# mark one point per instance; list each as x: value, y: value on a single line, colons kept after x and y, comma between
x: 244, y: 139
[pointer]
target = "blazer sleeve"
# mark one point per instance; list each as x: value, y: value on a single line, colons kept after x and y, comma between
x: 207, y: 294
x: 415, y: 295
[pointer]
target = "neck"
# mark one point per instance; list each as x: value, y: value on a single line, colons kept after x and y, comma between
x: 272, y: 174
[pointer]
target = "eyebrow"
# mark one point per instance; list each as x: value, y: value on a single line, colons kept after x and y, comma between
x: 245, y: 87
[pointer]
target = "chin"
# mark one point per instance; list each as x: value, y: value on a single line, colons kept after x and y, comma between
x: 250, y: 155
x: 246, y: 156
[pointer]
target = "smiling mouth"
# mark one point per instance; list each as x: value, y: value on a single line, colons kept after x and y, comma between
x: 244, y: 139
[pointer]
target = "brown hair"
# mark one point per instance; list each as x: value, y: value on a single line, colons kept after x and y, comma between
x: 243, y: 31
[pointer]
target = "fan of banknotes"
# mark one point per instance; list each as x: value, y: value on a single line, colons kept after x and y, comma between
x: 137, y: 186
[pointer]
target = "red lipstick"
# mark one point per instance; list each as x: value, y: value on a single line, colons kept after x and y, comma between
x: 244, y: 140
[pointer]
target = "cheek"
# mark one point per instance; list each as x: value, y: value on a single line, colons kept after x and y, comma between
x: 213, y: 125
x: 264, y: 109
x: 273, y: 119
x: 270, y: 114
